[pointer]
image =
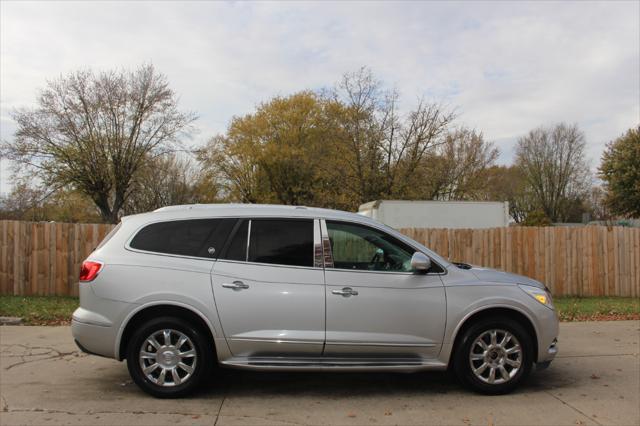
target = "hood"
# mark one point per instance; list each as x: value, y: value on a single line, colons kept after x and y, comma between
x: 496, y: 276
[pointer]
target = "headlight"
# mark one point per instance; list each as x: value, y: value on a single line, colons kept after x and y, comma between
x: 540, y: 294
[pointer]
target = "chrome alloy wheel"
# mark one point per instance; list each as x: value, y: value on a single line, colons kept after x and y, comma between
x: 495, y: 356
x: 168, y: 357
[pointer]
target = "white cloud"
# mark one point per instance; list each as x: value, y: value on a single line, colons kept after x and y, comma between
x: 506, y: 66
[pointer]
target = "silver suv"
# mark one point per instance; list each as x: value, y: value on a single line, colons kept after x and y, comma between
x: 183, y: 289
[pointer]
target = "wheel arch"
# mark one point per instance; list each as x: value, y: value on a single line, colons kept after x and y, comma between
x: 493, y: 311
x: 146, y: 312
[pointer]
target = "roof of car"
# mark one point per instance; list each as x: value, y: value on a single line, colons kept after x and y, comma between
x: 196, y: 211
x: 253, y: 210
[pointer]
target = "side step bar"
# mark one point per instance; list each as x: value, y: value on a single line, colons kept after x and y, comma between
x: 342, y: 364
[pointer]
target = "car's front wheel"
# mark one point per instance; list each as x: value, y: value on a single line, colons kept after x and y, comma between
x: 168, y: 357
x: 494, y: 356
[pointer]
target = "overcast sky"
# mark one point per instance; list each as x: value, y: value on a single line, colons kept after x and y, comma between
x: 506, y: 67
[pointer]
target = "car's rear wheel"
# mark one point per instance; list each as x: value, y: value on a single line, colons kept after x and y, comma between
x: 494, y: 356
x: 168, y: 357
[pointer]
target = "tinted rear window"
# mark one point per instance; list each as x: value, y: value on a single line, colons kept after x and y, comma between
x: 196, y: 237
x: 281, y: 241
x: 237, y: 247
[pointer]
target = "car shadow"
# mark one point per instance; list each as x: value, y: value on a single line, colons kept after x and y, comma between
x: 232, y: 382
x: 344, y: 384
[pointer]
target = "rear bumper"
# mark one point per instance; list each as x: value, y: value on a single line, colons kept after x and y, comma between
x: 96, y: 323
x: 94, y: 339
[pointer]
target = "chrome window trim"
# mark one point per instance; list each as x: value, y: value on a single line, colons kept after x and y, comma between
x: 180, y: 256
x: 325, y: 234
x: 326, y: 245
x: 246, y: 255
x: 277, y: 265
x: 318, y: 260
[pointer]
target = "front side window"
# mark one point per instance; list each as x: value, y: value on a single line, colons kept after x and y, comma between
x: 281, y: 242
x: 357, y: 247
x: 194, y: 237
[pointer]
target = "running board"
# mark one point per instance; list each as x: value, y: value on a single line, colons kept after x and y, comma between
x: 342, y: 364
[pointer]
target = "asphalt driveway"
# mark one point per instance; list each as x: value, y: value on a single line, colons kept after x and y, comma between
x: 594, y: 380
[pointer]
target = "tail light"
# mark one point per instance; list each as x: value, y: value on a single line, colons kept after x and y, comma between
x: 90, y: 270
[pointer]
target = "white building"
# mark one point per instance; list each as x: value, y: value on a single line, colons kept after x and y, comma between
x: 438, y: 214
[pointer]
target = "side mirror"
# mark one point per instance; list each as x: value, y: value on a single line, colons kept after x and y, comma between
x: 420, y: 262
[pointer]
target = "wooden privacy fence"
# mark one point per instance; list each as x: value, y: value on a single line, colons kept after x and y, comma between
x: 571, y: 261
x: 45, y: 258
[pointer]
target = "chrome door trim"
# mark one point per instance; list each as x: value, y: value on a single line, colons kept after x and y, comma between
x: 408, y: 345
x: 345, y: 292
x: 236, y: 285
x: 303, y: 342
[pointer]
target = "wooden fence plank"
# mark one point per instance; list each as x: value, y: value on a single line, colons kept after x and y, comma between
x: 44, y: 258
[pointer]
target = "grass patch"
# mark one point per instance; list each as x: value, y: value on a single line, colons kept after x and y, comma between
x: 39, y: 310
x: 57, y: 310
x: 597, y: 308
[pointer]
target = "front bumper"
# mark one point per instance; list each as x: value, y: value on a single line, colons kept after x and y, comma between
x: 548, y: 332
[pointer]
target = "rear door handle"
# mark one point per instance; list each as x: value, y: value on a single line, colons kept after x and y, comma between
x: 236, y: 285
x: 345, y: 292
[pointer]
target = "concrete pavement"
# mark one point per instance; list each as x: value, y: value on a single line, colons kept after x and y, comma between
x: 594, y: 380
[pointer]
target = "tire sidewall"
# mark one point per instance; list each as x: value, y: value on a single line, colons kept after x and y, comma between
x: 203, y: 350
x: 461, y: 362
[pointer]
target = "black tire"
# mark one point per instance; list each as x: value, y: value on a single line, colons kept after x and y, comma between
x: 201, y: 345
x: 463, y: 367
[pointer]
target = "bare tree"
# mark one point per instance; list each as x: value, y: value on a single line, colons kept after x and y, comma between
x: 381, y: 149
x: 552, y: 160
x: 94, y: 132
x: 28, y: 201
x: 165, y: 180
x: 457, y: 169
x: 362, y: 114
x: 24, y: 202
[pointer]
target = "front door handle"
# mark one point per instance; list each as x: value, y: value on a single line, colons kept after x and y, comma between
x: 345, y: 292
x: 236, y: 285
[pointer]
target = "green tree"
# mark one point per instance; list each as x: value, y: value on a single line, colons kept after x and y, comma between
x: 507, y: 183
x: 337, y: 148
x: 274, y: 154
x: 93, y: 133
x: 620, y: 171
x: 536, y: 218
